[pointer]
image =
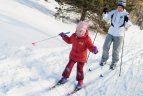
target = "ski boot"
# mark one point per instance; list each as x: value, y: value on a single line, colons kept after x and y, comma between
x: 112, y: 66
x: 62, y: 81
x: 102, y: 63
x: 79, y: 85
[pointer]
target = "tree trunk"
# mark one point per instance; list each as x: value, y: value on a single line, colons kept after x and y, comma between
x: 83, y: 14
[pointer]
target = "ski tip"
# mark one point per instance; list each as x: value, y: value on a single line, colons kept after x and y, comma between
x: 89, y: 69
x: 33, y: 43
x: 101, y: 75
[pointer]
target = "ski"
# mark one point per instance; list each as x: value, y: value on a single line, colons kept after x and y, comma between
x: 73, y: 92
x: 54, y: 86
x: 106, y: 73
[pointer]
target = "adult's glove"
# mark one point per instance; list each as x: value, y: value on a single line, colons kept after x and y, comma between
x: 105, y: 10
x: 126, y: 18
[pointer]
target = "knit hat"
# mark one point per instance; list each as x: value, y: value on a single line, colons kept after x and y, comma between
x: 122, y: 3
x: 81, y: 28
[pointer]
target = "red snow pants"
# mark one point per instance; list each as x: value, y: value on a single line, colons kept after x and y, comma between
x: 68, y: 69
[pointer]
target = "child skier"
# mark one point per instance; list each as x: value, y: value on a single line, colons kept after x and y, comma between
x: 80, y: 41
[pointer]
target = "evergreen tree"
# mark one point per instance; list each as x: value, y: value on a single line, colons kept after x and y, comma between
x: 83, y: 6
x: 88, y: 9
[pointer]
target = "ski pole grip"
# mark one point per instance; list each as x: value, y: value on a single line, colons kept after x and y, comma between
x: 66, y: 32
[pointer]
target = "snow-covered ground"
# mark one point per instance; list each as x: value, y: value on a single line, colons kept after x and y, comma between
x: 27, y: 70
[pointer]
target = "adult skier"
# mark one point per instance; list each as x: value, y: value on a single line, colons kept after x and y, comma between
x: 119, y: 19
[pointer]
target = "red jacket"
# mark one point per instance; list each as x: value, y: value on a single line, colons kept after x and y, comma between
x: 79, y: 46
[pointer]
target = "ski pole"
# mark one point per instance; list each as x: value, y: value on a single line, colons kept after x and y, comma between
x: 122, y: 54
x: 101, y: 74
x: 34, y: 43
x: 89, y: 52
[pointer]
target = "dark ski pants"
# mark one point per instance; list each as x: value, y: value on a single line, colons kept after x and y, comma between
x: 68, y: 69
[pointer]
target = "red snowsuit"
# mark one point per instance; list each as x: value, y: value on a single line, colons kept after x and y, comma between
x: 78, y: 54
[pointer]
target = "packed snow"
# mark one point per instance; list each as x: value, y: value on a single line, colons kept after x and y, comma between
x: 27, y: 70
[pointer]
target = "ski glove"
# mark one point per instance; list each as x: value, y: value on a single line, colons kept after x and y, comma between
x: 95, y: 50
x: 126, y: 18
x: 63, y: 35
x: 105, y: 10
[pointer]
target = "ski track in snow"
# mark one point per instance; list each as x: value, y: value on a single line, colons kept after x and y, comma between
x: 102, y: 84
x: 31, y: 71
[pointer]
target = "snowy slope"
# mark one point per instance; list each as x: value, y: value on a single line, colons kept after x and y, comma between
x: 27, y: 70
